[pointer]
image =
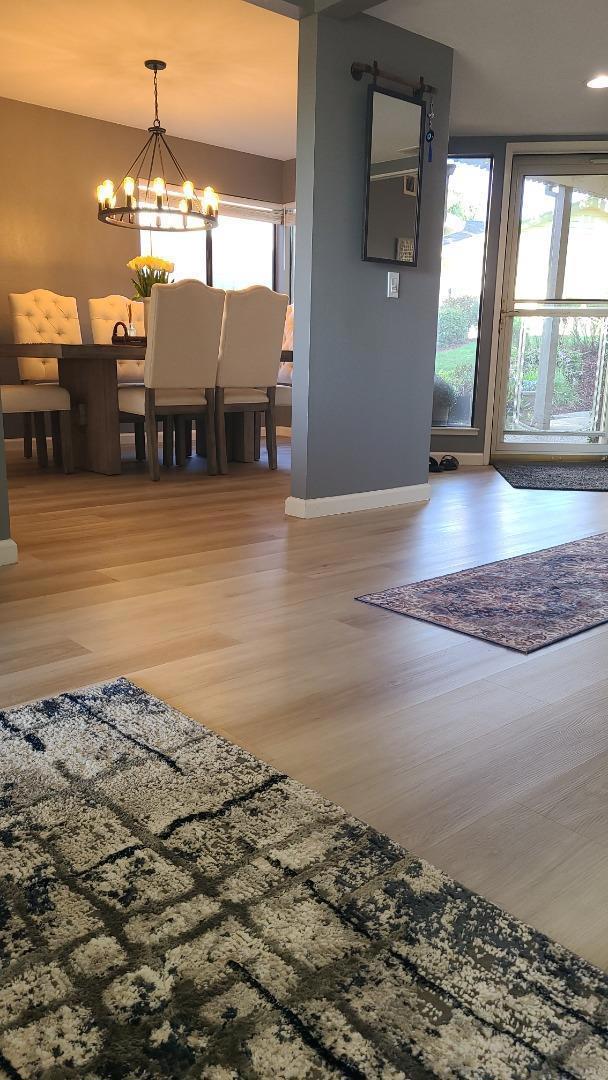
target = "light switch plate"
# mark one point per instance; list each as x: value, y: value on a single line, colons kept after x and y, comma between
x: 392, y: 285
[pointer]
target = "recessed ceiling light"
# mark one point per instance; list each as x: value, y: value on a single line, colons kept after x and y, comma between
x: 599, y: 82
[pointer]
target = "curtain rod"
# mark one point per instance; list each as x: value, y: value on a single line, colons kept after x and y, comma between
x: 358, y: 70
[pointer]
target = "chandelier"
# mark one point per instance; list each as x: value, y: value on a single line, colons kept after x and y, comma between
x: 143, y: 199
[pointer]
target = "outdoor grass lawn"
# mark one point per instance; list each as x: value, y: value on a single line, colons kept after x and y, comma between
x: 448, y: 359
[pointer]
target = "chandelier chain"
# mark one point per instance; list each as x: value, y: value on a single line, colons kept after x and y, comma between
x: 156, y: 116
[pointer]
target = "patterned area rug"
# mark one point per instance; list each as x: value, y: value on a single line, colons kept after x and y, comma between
x: 523, y: 603
x: 173, y: 907
x: 556, y: 475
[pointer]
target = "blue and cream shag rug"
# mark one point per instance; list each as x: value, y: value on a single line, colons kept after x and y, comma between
x: 172, y: 907
x: 555, y: 475
x: 523, y: 603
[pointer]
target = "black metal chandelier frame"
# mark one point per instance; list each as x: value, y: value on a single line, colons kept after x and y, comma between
x: 148, y: 202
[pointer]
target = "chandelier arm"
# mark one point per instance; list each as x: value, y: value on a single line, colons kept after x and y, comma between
x: 153, y: 155
x: 135, y: 164
x: 173, y: 158
x: 162, y: 167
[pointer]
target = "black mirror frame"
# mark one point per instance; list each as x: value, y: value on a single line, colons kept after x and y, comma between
x: 371, y: 90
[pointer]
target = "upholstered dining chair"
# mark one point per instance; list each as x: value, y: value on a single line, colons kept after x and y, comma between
x: 42, y: 316
x: 184, y: 327
x: 250, y: 354
x: 104, y: 313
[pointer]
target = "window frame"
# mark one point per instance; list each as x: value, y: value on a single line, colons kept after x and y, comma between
x: 467, y: 429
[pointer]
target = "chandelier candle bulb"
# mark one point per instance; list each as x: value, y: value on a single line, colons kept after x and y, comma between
x: 210, y: 201
x: 158, y: 187
x: 129, y: 189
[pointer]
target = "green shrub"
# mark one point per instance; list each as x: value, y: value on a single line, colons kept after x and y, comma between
x: 456, y: 316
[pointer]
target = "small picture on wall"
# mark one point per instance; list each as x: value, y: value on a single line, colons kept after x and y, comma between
x: 404, y: 249
x: 410, y: 184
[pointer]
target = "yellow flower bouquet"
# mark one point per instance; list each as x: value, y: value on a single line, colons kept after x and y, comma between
x: 149, y: 271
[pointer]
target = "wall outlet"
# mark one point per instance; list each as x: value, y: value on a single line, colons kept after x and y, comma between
x: 392, y: 285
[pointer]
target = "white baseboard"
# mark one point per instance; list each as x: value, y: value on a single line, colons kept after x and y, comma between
x: 8, y: 552
x: 358, y: 500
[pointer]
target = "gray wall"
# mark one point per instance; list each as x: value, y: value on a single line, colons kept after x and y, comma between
x: 364, y: 364
x: 489, y: 146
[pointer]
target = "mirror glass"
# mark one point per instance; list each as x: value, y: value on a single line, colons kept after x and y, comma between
x: 393, y: 175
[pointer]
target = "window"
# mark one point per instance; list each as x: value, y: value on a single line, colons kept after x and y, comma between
x: 242, y: 247
x: 242, y: 253
x: 186, y: 250
x: 462, y: 278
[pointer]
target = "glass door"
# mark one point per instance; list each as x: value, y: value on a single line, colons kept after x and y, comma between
x: 552, y: 387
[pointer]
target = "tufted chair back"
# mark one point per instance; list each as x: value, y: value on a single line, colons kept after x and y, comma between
x: 252, y: 336
x: 183, y: 336
x: 43, y: 316
x: 104, y: 313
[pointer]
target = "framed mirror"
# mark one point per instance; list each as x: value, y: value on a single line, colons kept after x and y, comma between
x: 393, y: 177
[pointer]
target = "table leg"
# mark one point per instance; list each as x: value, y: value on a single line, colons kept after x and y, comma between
x: 243, y: 436
x: 93, y: 388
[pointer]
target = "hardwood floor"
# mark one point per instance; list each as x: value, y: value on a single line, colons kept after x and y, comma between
x: 490, y: 764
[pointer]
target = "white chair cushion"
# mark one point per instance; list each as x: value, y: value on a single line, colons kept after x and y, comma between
x: 184, y: 326
x: 43, y: 316
x: 34, y: 397
x: 252, y: 336
x: 130, y: 371
x: 245, y: 396
x: 105, y: 312
x: 283, y: 395
x: 132, y: 399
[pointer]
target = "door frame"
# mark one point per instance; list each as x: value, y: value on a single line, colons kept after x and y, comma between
x: 514, y: 150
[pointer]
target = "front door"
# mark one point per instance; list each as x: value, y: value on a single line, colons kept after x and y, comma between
x: 552, y: 387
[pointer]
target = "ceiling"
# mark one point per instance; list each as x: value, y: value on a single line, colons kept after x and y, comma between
x: 231, y: 76
x: 520, y: 66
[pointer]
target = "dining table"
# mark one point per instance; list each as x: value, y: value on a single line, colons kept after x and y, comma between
x: 90, y: 374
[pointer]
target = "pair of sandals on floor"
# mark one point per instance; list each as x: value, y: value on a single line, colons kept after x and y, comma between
x: 447, y: 464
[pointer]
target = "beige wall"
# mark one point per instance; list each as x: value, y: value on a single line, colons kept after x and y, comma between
x: 49, y: 233
x: 289, y: 181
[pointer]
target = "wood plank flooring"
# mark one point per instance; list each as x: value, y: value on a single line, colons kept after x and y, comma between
x: 491, y: 764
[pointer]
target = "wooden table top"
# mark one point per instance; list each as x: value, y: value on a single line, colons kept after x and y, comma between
x: 77, y: 352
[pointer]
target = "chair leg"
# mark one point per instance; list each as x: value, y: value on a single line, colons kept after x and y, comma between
x: 152, y: 436
x: 27, y: 435
x: 180, y: 440
x: 271, y: 430
x: 65, y: 436
x: 257, y: 436
x: 40, y: 430
x: 188, y: 436
x: 140, y: 440
x: 56, y: 439
x: 220, y: 431
x: 201, y: 441
x: 168, y: 428
x: 211, y: 443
